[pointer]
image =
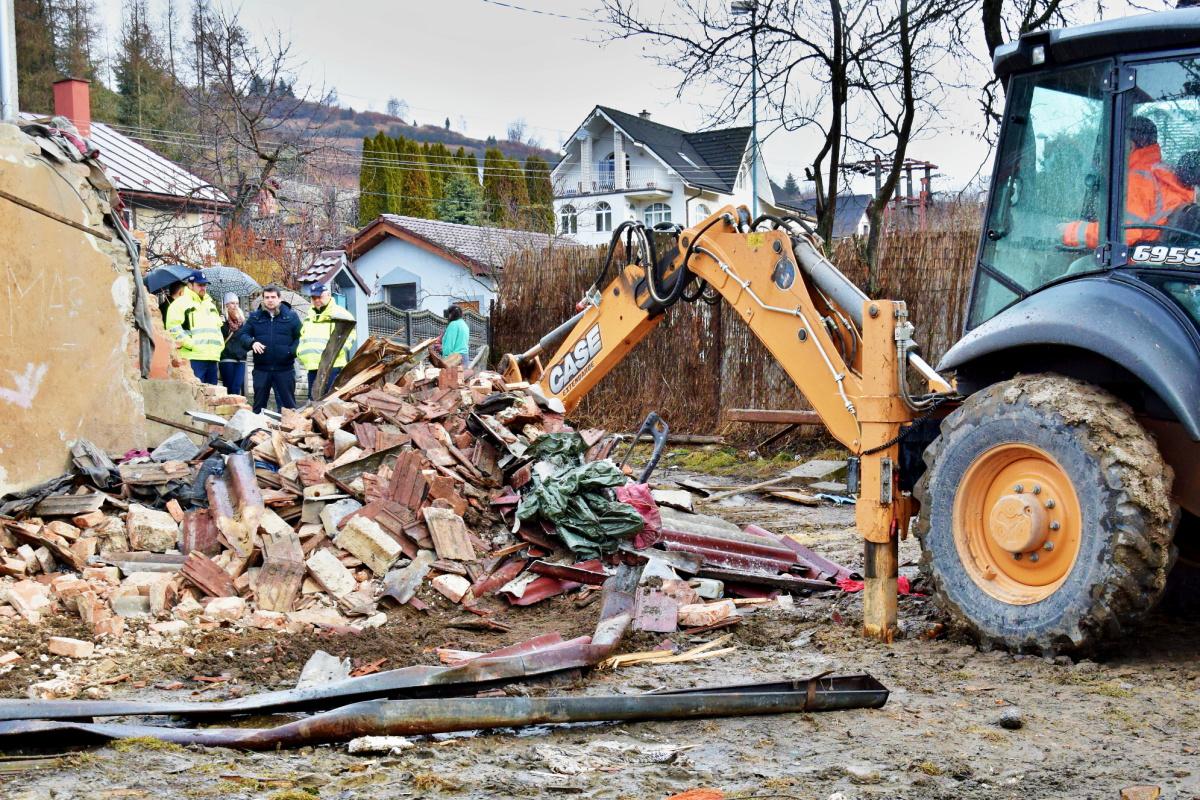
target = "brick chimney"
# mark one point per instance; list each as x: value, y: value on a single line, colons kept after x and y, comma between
x: 72, y: 99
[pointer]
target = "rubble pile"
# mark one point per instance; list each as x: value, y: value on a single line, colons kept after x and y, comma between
x: 412, y: 480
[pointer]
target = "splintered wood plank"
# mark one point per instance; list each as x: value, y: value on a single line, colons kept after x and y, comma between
x: 449, y: 534
x: 209, y: 578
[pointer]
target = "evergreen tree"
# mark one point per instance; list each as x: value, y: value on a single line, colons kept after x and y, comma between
x: 392, y: 151
x: 148, y: 96
x: 541, y: 195
x: 462, y: 202
x: 372, y: 183
x: 504, y: 190
x: 790, y: 186
x: 447, y: 123
x: 414, y: 182
x: 36, y: 67
x: 467, y: 164
x: 436, y: 166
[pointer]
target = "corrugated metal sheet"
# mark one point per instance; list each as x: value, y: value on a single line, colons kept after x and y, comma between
x: 133, y: 167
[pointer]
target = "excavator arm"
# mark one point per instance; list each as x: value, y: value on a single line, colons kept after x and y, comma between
x: 848, y: 355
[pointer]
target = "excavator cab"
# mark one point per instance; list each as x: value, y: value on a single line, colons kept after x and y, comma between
x: 1052, y: 495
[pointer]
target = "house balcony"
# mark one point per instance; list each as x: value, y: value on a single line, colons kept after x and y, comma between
x: 640, y: 184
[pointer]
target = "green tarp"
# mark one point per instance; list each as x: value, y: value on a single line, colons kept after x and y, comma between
x: 576, y: 498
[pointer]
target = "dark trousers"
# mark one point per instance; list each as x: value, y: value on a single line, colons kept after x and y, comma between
x: 233, y: 376
x: 205, y: 371
x: 282, y: 381
x: 312, y: 378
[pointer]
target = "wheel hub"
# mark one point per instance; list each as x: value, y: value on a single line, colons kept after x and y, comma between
x: 1017, y: 523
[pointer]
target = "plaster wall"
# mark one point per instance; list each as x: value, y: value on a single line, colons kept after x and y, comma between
x: 439, y: 281
x: 66, y: 330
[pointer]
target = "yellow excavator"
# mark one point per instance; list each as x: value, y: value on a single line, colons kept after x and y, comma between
x: 1053, y: 469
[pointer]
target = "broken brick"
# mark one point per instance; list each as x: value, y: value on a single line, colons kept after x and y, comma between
x: 72, y: 648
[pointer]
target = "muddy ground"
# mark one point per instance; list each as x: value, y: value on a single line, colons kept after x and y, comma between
x: 1090, y: 728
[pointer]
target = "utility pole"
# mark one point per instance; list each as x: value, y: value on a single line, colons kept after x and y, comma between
x: 739, y: 8
x: 9, y: 107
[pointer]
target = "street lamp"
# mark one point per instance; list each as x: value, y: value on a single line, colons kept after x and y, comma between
x: 739, y: 8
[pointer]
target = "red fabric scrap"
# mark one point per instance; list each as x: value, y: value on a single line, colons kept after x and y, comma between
x: 848, y: 585
x: 638, y: 495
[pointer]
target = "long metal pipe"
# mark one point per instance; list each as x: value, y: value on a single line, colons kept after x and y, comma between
x: 442, y: 715
x: 9, y: 106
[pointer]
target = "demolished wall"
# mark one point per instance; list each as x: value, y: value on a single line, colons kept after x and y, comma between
x: 68, y: 345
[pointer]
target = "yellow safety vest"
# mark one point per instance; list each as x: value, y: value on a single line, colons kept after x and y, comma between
x: 194, y: 323
x: 315, y: 333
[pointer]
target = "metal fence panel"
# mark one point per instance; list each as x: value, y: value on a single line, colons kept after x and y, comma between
x: 414, y: 327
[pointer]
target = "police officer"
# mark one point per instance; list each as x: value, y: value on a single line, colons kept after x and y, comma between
x: 315, y: 333
x: 194, y: 323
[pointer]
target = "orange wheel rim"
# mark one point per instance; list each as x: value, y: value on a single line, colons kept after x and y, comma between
x: 1017, y: 523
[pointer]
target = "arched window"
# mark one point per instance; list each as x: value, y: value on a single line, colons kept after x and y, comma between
x: 702, y: 211
x: 656, y: 213
x: 603, y: 216
x: 607, y: 172
x: 568, y: 221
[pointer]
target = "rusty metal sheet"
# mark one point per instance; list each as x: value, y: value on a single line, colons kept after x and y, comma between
x: 443, y: 715
x: 821, y: 567
x: 762, y: 549
x: 576, y: 574
x: 779, y: 581
x: 717, y: 557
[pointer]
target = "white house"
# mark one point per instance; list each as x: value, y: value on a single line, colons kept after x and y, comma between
x: 412, y: 263
x: 621, y: 166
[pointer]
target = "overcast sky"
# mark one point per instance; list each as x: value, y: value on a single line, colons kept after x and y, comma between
x: 483, y: 65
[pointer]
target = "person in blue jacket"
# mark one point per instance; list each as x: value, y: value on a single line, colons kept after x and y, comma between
x: 272, y: 333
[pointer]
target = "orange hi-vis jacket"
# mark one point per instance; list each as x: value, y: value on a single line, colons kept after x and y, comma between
x: 1153, y: 192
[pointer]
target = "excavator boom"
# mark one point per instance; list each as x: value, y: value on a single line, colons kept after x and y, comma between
x: 847, y: 354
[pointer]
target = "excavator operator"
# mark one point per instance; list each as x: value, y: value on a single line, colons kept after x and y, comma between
x: 1153, y: 192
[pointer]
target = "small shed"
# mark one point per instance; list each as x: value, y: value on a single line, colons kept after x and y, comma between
x: 333, y: 269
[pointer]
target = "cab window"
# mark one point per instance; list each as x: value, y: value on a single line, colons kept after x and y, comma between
x: 1161, y: 221
x: 1051, y: 176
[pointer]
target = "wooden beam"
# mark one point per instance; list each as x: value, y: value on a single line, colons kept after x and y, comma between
x: 772, y: 415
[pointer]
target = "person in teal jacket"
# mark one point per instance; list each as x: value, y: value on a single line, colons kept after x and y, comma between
x: 457, y: 338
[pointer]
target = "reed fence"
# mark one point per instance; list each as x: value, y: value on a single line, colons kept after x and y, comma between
x: 702, y: 360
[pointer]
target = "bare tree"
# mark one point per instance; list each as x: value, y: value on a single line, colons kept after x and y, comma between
x: 256, y: 126
x: 857, y: 71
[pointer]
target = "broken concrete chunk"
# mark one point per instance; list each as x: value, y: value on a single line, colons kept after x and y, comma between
x: 334, y: 513
x: 171, y: 627
x: 330, y: 574
x: 388, y: 745
x: 72, y: 648
x: 454, y: 587
x: 401, y: 584
x: 130, y: 605
x: 54, y: 689
x: 365, y: 540
x: 177, y: 447
x: 244, y: 423
x: 225, y: 609
x: 29, y: 598
x: 152, y: 530
x: 323, y: 668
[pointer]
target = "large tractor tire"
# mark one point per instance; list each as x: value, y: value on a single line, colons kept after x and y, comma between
x: 1046, y: 519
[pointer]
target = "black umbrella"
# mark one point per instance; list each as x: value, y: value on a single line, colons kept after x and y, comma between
x: 158, y: 279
